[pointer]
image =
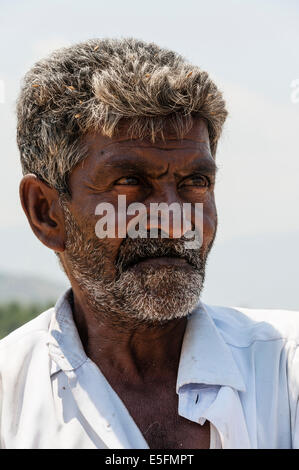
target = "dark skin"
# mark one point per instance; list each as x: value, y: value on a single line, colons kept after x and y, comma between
x: 140, y: 363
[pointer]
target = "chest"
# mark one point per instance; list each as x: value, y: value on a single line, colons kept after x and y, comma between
x: 156, y: 415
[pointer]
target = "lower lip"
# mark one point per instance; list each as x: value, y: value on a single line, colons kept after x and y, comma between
x: 163, y: 261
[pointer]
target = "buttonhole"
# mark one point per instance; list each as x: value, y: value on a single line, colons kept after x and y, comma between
x: 196, y: 398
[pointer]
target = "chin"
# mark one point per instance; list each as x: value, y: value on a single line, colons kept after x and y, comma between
x: 160, y: 294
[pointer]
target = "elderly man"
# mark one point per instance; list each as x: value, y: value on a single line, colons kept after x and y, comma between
x: 130, y: 357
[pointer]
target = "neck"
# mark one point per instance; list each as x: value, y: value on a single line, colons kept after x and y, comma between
x: 137, y: 354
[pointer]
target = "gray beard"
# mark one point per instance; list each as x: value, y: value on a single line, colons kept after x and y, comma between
x: 148, y: 296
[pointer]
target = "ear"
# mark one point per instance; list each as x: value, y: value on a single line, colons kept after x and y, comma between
x: 44, y: 213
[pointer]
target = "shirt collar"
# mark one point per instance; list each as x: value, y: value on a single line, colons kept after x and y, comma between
x: 205, y: 357
x: 65, y: 346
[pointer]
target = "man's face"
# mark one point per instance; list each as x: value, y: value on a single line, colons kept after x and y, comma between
x: 145, y: 279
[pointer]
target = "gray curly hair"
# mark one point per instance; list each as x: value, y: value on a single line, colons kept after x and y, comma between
x: 100, y: 84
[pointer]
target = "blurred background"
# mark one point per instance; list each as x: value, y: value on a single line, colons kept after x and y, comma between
x: 251, y: 49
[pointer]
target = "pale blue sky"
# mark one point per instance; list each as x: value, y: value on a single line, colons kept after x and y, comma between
x: 251, y: 49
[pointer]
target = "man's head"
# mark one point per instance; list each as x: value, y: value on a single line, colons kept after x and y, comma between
x: 120, y: 117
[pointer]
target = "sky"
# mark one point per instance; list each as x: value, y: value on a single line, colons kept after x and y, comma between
x: 251, y: 50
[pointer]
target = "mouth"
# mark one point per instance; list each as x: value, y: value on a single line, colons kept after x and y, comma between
x: 156, y: 262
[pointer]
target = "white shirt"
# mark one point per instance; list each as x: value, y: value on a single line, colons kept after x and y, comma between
x: 239, y: 369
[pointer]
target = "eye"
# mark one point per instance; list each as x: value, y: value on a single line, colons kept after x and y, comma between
x: 128, y: 180
x: 197, y: 181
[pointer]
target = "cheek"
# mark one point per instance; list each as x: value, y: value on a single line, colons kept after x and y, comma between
x: 96, y: 238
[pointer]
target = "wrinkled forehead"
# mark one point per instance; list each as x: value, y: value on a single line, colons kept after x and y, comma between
x: 197, y: 137
x: 105, y: 155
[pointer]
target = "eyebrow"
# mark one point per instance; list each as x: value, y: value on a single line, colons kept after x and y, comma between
x: 203, y: 164
x: 127, y: 162
x: 206, y: 165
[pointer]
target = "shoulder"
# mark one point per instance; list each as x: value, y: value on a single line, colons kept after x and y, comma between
x: 16, y: 347
x: 243, y: 326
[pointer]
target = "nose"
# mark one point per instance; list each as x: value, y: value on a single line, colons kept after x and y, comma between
x: 164, y: 211
x: 162, y: 214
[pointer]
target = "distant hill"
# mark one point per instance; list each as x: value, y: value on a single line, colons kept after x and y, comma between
x: 28, y: 289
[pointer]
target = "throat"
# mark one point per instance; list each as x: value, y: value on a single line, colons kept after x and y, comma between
x: 139, y: 356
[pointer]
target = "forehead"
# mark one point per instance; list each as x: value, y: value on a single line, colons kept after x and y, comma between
x: 198, y: 134
x: 106, y: 152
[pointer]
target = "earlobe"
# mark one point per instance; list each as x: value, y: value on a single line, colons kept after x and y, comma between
x: 44, y: 213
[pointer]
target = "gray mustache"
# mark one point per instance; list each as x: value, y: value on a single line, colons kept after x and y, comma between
x: 138, y: 249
